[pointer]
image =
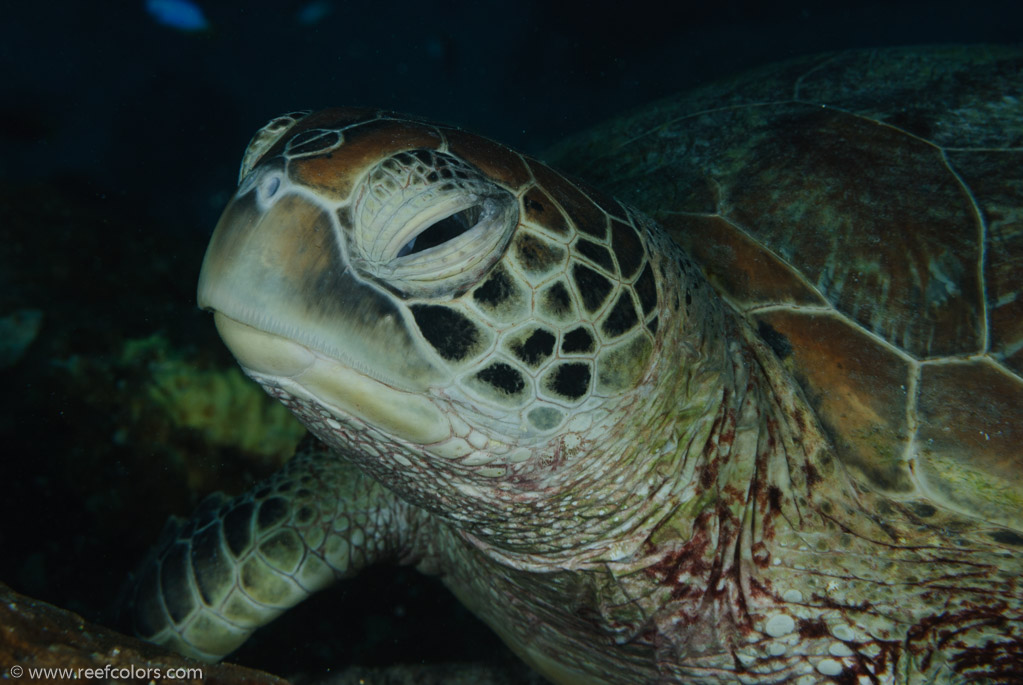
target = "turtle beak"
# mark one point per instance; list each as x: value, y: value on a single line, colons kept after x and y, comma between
x: 266, y: 258
x: 296, y: 316
x: 271, y: 252
x: 276, y: 263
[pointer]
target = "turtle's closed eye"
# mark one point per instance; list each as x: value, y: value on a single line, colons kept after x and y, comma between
x: 444, y: 230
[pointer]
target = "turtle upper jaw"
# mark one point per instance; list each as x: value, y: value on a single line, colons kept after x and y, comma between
x: 279, y: 264
x: 304, y: 373
x: 292, y: 311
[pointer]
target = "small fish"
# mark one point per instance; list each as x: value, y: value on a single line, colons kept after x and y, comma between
x: 178, y: 14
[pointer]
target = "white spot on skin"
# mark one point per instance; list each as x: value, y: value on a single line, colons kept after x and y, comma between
x: 839, y: 649
x: 777, y: 649
x: 829, y: 667
x: 451, y: 449
x: 518, y: 455
x: 333, y: 424
x: 745, y: 659
x: 478, y: 458
x: 779, y: 625
x: 491, y: 472
x: 842, y: 632
x: 468, y: 489
x: 793, y: 596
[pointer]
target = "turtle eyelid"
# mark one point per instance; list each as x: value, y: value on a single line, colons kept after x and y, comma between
x: 443, y: 231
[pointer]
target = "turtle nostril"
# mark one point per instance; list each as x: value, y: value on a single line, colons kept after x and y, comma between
x: 270, y: 186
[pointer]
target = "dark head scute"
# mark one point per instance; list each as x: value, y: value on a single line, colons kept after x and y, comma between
x: 622, y: 317
x: 592, y: 286
x: 570, y: 380
x: 646, y: 289
x: 503, y: 378
x: 535, y: 348
x: 536, y: 255
x: 362, y: 142
x: 597, y: 254
x: 627, y: 248
x: 493, y: 159
x: 539, y: 209
x: 556, y: 301
x: 577, y: 340
x: 587, y: 216
x: 451, y: 333
x: 494, y: 291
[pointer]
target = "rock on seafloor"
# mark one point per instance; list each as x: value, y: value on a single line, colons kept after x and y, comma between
x: 41, y: 643
x: 36, y: 635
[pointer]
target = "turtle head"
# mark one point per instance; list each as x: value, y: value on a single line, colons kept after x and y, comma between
x: 427, y: 300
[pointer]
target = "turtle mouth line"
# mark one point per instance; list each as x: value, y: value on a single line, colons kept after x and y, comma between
x: 332, y: 384
x: 263, y: 351
x: 266, y: 333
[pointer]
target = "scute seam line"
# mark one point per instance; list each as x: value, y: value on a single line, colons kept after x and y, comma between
x: 985, y: 338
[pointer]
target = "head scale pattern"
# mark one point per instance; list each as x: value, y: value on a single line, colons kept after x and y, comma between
x: 536, y: 298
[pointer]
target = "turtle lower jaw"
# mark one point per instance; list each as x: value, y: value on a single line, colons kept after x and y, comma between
x: 329, y: 383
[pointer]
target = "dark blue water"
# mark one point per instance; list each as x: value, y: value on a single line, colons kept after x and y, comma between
x: 163, y: 115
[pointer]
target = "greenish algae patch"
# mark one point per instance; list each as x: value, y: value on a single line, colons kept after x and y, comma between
x: 228, y: 409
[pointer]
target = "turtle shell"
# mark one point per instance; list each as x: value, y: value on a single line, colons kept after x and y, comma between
x: 864, y: 210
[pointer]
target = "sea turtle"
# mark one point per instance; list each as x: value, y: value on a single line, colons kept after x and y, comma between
x: 773, y: 437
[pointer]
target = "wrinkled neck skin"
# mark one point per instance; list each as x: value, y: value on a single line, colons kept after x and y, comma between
x: 595, y: 496
x: 705, y: 433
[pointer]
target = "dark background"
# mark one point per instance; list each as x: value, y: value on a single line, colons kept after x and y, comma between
x: 120, y: 140
x: 163, y: 116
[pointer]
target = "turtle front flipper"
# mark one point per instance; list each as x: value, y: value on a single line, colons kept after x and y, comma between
x: 239, y: 563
